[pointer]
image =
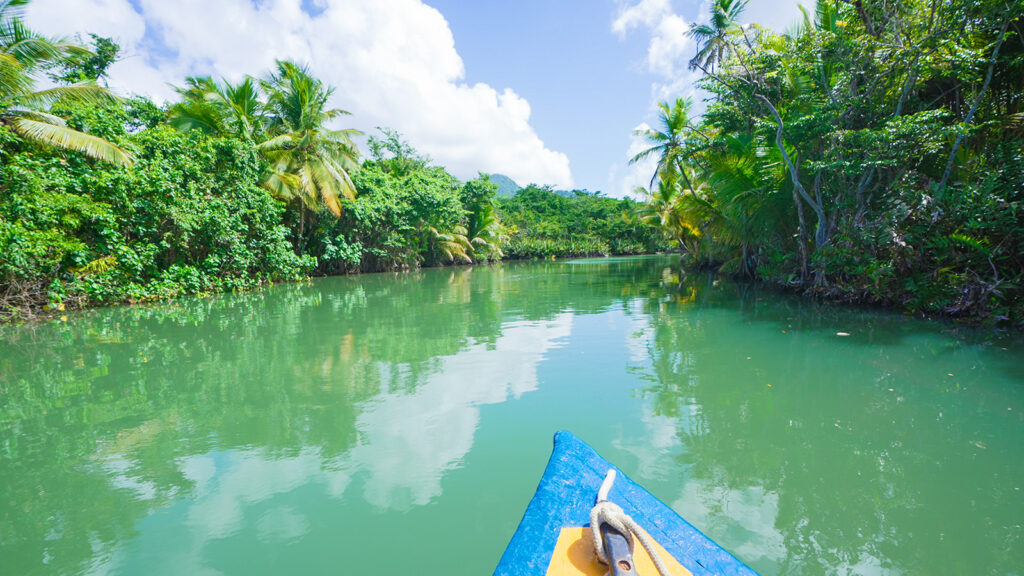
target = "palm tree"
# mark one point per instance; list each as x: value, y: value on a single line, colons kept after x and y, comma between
x: 748, y: 205
x: 667, y: 141
x: 484, y: 229
x: 669, y: 208
x: 309, y: 162
x: 712, y: 37
x: 452, y: 245
x: 486, y: 232
x: 220, y: 108
x: 22, y: 108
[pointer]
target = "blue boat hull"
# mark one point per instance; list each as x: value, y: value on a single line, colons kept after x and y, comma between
x: 564, y: 498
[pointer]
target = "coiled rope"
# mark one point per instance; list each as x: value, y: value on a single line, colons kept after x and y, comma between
x: 606, y: 512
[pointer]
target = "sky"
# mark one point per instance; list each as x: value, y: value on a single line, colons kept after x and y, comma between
x: 546, y: 92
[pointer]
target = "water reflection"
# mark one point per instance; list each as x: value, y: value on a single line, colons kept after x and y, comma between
x: 286, y: 430
x: 408, y: 440
x: 892, y: 451
x: 222, y: 404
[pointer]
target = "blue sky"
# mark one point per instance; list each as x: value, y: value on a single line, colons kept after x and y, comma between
x: 542, y: 91
x: 587, y: 88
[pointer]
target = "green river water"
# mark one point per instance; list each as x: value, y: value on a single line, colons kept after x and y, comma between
x: 398, y: 424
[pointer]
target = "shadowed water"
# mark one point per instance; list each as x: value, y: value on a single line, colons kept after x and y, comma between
x: 398, y: 424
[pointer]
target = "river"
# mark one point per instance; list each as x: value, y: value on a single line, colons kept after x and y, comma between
x: 398, y: 424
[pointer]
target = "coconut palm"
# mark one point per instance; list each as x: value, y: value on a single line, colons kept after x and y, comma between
x: 749, y: 205
x: 23, y: 108
x: 667, y: 140
x: 713, y: 37
x: 484, y: 229
x: 219, y: 108
x: 310, y: 163
x: 486, y: 233
x: 452, y: 246
x: 668, y: 208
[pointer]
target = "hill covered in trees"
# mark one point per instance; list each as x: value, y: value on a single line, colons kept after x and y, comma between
x: 506, y: 186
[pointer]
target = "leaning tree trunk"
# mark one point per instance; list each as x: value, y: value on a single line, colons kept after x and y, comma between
x: 821, y: 232
x: 802, y: 237
x: 974, y: 106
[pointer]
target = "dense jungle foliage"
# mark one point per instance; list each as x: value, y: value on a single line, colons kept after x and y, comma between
x: 875, y: 152
x: 548, y: 224
x: 106, y: 200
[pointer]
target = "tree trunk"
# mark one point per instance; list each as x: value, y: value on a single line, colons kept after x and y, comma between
x: 977, y: 101
x: 821, y: 232
x: 802, y: 237
x: 862, y: 207
x: 865, y: 18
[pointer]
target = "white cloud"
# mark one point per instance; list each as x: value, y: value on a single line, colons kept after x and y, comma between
x: 668, y: 41
x: 778, y: 15
x: 667, y: 47
x: 393, y: 62
x: 626, y: 178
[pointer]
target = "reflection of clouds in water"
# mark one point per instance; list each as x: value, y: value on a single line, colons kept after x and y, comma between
x: 653, y: 450
x: 409, y: 440
x: 226, y: 483
x: 744, y: 522
x: 867, y: 565
x: 118, y: 469
x: 281, y: 524
x: 745, y: 516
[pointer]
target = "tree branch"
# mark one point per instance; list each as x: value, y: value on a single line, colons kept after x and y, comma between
x: 977, y: 101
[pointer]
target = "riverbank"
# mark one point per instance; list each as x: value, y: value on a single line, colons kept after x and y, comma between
x: 832, y: 293
x: 975, y: 307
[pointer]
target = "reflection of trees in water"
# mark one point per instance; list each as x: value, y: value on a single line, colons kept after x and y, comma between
x: 96, y: 415
x: 802, y: 458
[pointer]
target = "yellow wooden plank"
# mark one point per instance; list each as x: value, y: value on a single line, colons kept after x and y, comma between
x: 574, y: 556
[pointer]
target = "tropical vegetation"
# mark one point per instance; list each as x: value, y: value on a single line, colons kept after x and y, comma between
x: 545, y: 224
x: 23, y: 108
x: 106, y: 199
x: 874, y: 153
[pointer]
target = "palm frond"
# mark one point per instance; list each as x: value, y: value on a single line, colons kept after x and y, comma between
x: 327, y: 183
x: 188, y: 116
x: 13, y: 79
x: 66, y: 138
x: 283, y: 185
x: 29, y: 48
x: 644, y: 154
x: 283, y: 144
x: 86, y: 94
x: 40, y: 116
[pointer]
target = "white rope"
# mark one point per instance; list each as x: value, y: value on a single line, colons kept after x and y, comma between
x: 605, y: 512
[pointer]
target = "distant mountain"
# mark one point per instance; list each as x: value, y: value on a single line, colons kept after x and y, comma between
x: 506, y: 186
